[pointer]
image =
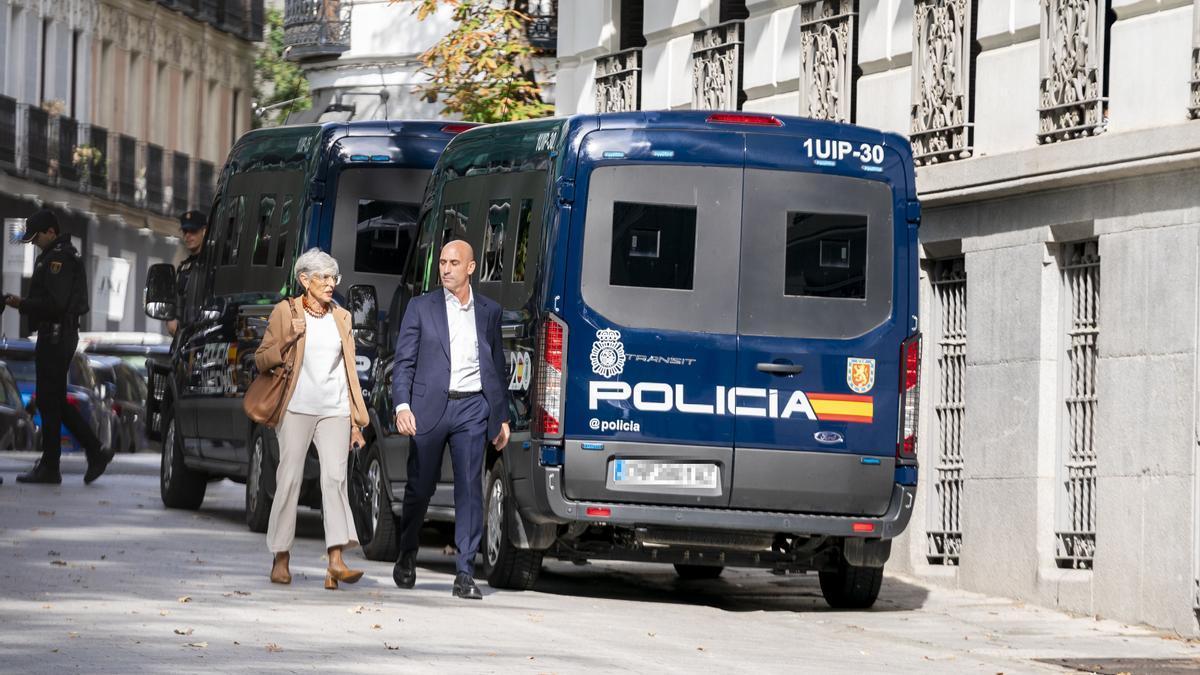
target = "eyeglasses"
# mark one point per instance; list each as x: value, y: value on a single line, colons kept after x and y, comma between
x: 334, y: 279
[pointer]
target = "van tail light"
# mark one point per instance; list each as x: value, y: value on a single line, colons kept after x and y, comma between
x: 744, y: 118
x: 458, y: 127
x: 551, y: 357
x: 910, y: 400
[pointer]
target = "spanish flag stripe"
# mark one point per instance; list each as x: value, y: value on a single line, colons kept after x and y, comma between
x: 863, y: 409
x: 840, y: 397
x: 845, y: 418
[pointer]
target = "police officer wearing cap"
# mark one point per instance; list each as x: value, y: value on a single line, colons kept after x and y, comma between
x: 194, y: 227
x: 58, y: 296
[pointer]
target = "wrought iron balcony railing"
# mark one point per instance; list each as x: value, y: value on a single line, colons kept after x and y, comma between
x: 316, y: 29
x: 37, y: 139
x: 65, y: 141
x: 153, y: 168
x: 8, y: 132
x: 126, y: 165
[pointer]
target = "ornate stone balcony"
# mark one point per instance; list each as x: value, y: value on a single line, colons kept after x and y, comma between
x: 1072, y: 100
x: 717, y: 67
x: 619, y: 81
x: 316, y: 29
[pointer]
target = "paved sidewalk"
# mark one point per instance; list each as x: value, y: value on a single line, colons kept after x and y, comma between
x: 103, y: 579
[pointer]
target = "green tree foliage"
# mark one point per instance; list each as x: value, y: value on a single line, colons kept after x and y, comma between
x: 483, y: 69
x: 275, y: 79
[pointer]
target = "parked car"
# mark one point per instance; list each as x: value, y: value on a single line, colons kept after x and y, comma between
x: 17, y: 430
x: 132, y: 348
x: 83, y: 391
x: 128, y: 394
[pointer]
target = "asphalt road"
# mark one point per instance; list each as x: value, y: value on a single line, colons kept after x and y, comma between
x: 102, y: 578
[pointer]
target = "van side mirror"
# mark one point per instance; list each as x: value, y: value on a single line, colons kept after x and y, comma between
x: 160, y: 295
x: 363, y: 303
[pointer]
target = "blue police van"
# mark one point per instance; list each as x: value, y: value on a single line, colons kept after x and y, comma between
x: 352, y: 189
x: 710, y: 321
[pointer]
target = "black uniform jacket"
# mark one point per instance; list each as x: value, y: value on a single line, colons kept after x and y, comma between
x: 58, y: 290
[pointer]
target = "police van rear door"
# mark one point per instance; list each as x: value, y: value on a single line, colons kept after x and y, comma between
x: 652, y: 329
x: 818, y: 341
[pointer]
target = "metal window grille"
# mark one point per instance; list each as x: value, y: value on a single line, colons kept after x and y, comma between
x: 1076, y: 533
x: 944, y: 535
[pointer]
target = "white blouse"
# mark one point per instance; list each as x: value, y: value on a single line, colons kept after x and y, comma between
x: 321, y: 387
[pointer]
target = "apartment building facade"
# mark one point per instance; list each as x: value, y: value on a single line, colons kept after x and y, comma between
x: 1058, y: 156
x: 118, y: 114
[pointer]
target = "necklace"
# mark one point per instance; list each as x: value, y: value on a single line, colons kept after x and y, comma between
x: 312, y: 312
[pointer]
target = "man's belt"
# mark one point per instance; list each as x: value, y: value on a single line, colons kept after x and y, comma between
x: 462, y: 394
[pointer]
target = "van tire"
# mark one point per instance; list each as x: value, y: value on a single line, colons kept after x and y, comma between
x: 698, y: 572
x: 383, y: 544
x: 179, y: 486
x: 505, y: 565
x: 850, y: 586
x: 258, y: 498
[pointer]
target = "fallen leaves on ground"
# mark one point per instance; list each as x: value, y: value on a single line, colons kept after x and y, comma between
x: 60, y: 563
x: 272, y: 647
x: 186, y: 598
x: 198, y: 645
x: 53, y: 554
x: 72, y: 635
x: 48, y: 514
x: 376, y: 627
x: 356, y: 610
x: 163, y: 612
x: 183, y: 631
x: 237, y: 593
x: 391, y: 647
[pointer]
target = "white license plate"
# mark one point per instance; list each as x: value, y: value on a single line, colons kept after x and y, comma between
x: 665, y: 474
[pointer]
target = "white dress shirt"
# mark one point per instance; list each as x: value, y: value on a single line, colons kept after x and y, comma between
x: 464, y: 344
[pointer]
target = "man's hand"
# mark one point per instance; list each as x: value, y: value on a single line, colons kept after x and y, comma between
x: 406, y: 423
x: 356, y: 438
x: 12, y: 301
x: 501, y: 438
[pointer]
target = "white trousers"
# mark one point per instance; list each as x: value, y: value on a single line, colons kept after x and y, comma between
x: 332, y: 436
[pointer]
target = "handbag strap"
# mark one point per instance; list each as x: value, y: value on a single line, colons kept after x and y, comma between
x: 290, y: 347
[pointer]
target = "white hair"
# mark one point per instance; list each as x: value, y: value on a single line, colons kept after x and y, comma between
x: 314, y: 261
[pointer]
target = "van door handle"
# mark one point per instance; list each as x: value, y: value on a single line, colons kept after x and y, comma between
x: 780, y: 368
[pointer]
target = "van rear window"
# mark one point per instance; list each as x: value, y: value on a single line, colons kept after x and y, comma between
x: 384, y: 233
x: 653, y: 246
x: 826, y: 255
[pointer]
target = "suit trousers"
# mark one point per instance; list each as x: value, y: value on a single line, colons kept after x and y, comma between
x: 464, y: 426
x: 332, y: 436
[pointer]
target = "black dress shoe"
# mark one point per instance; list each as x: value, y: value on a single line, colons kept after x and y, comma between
x: 41, y: 473
x: 464, y: 587
x: 405, y: 571
x: 97, y: 463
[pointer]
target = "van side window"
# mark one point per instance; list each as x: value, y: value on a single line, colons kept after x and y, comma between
x: 654, y: 246
x: 520, y: 256
x: 454, y: 221
x: 262, y: 241
x: 826, y: 255
x: 383, y: 236
x: 423, y: 260
x: 492, y: 258
x: 285, y: 223
x: 235, y: 216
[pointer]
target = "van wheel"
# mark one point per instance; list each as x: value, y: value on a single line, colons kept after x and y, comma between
x: 850, y: 586
x: 179, y: 486
x: 383, y: 544
x: 505, y: 565
x: 258, y: 498
x: 698, y: 572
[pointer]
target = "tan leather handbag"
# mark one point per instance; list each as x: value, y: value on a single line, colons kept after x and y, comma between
x: 263, y: 401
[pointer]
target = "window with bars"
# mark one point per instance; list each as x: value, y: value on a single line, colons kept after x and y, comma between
x: 1075, y: 533
x: 944, y: 534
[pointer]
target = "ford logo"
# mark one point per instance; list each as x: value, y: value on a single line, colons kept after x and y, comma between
x: 828, y: 437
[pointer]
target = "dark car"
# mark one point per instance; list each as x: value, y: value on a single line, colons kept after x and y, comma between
x: 127, y: 389
x: 83, y: 391
x: 17, y: 431
x: 132, y: 348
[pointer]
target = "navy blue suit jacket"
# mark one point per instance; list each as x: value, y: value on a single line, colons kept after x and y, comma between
x: 421, y: 369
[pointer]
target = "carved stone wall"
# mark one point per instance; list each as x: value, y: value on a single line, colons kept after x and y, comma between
x: 717, y: 67
x: 619, y: 81
x: 1072, y: 97
x: 1194, y: 99
x: 827, y: 32
x: 941, y: 109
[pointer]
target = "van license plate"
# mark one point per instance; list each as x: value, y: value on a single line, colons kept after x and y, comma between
x: 665, y: 474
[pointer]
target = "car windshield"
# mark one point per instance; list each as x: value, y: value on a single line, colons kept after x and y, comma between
x: 21, y: 364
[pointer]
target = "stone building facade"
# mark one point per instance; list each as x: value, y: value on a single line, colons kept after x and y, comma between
x: 118, y: 115
x: 1058, y: 163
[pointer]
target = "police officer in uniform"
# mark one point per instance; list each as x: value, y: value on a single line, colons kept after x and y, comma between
x: 58, y: 296
x: 194, y: 227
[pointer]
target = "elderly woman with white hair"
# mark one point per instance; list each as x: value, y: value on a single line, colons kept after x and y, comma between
x: 323, y: 404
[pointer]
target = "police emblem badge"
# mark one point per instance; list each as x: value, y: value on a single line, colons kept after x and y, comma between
x: 608, y: 354
x: 55, y: 267
x: 860, y: 374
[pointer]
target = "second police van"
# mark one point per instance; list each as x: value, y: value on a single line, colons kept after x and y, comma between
x: 710, y: 323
